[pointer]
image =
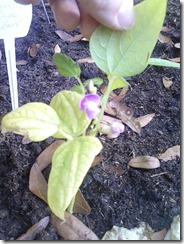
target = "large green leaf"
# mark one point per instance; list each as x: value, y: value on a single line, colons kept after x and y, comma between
x: 126, y: 53
x: 70, y: 164
x: 36, y: 121
x: 66, y: 66
x: 73, y: 121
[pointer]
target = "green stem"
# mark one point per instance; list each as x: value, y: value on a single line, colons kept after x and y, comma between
x: 82, y: 86
x: 105, y: 100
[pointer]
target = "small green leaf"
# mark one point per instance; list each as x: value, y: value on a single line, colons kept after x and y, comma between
x: 66, y: 66
x: 126, y: 53
x: 70, y: 164
x: 73, y: 121
x: 163, y: 62
x: 119, y: 82
x: 77, y: 89
x: 36, y: 121
x: 96, y: 81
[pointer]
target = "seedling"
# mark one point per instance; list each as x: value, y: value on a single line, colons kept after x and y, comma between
x: 74, y: 115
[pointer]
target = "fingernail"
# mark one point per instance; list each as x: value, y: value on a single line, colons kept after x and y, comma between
x: 126, y: 19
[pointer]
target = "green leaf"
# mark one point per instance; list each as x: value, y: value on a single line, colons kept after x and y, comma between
x: 163, y: 62
x: 36, y: 121
x: 73, y: 121
x: 126, y: 53
x: 77, y: 89
x: 119, y: 82
x: 66, y: 66
x: 70, y: 163
x: 96, y: 81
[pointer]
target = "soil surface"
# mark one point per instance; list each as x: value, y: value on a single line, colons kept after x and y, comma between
x: 117, y: 194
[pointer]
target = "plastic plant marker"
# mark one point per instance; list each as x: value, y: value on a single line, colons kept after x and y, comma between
x: 15, y: 20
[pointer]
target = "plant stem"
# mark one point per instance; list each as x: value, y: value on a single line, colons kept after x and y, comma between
x: 82, y: 86
x: 105, y: 100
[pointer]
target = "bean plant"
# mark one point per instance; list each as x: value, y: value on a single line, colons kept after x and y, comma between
x: 74, y: 115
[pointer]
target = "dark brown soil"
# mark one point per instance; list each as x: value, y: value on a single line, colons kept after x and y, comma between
x: 123, y: 199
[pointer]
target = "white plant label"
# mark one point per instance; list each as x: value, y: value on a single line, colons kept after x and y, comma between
x: 15, y: 20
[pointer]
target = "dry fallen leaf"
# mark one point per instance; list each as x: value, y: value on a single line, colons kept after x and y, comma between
x: 81, y: 206
x: 167, y: 82
x: 165, y: 39
x: 159, y: 235
x: 45, y: 158
x: 25, y: 141
x: 165, y: 29
x: 170, y: 153
x: 34, y: 230
x: 72, y: 228
x: 66, y: 37
x: 121, y: 95
x: 21, y: 62
x: 96, y: 161
x: 144, y: 120
x: 177, y: 60
x: 33, y: 50
x: 126, y: 115
x: 85, y: 60
x: 144, y: 162
x: 37, y: 182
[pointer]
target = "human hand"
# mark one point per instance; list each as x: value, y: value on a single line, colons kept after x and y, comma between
x: 115, y: 14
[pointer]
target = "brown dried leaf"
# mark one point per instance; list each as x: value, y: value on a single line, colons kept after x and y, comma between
x: 165, y: 29
x: 33, y: 50
x: 72, y: 228
x: 81, y: 206
x: 170, y: 153
x: 34, y: 230
x: 126, y: 115
x: 85, y: 60
x: 44, y: 159
x: 116, y: 169
x: 165, y: 39
x: 21, y: 62
x: 66, y: 37
x: 96, y: 161
x: 159, y: 235
x: 103, y: 89
x: 144, y: 162
x: 167, y: 82
x: 144, y: 120
x: 177, y: 60
x: 25, y: 141
x: 37, y: 182
x: 122, y: 94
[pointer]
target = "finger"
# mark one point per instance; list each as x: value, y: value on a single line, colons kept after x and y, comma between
x: 87, y: 23
x: 66, y: 13
x: 27, y: 1
x: 116, y: 14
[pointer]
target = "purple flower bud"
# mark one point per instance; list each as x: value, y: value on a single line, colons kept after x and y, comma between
x: 90, y: 104
x: 117, y: 128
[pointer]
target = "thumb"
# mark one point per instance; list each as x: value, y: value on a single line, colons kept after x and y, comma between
x: 115, y: 14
